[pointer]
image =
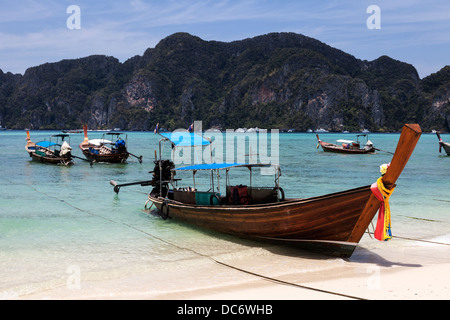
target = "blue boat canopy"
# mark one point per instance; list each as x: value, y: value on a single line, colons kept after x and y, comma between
x: 218, y: 166
x: 185, y: 139
x: 46, y: 144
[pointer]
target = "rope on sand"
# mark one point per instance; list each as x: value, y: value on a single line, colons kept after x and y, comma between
x: 282, y: 282
x: 412, y: 239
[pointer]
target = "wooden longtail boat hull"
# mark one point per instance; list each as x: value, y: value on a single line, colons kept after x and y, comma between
x: 329, y: 147
x: 446, y: 147
x: 443, y: 145
x: 111, y: 158
x: 30, y: 147
x: 328, y: 220
x: 333, y: 223
x: 116, y: 157
x: 51, y: 160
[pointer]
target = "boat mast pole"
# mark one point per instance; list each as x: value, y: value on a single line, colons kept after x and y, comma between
x: 193, y: 177
x: 160, y: 169
x: 212, y: 180
x: 218, y: 180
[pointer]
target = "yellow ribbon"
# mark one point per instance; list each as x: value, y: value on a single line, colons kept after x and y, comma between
x: 387, y: 235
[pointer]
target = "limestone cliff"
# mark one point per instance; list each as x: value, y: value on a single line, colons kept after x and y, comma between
x: 279, y: 80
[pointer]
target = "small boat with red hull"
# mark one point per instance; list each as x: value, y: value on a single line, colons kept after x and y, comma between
x: 348, y: 146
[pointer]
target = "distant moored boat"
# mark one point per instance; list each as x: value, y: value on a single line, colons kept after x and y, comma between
x: 347, y: 146
x: 443, y: 145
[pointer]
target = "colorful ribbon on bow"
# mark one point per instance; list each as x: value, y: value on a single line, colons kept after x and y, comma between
x: 383, y: 229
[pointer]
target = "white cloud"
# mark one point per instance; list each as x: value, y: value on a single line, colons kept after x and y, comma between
x: 126, y: 28
x: 27, y: 10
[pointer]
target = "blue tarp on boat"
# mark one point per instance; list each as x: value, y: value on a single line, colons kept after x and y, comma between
x: 210, y: 166
x: 218, y: 166
x: 46, y: 144
x: 185, y: 139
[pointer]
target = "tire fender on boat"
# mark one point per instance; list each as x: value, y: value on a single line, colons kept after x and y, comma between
x: 211, y: 199
x: 164, y: 210
x: 281, y: 191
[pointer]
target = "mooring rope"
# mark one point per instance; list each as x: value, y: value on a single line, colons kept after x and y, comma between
x: 282, y: 282
x: 274, y: 280
x: 441, y: 200
x: 410, y: 239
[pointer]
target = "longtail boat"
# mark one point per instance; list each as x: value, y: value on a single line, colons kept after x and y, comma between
x: 55, y: 150
x: 443, y: 144
x: 347, y: 146
x: 111, y: 148
x: 332, y: 224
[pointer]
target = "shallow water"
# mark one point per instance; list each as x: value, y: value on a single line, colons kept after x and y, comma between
x: 57, y: 222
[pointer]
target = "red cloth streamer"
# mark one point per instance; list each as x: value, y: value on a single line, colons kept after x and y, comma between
x: 380, y: 221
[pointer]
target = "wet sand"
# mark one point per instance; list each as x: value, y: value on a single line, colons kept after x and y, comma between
x: 376, y: 271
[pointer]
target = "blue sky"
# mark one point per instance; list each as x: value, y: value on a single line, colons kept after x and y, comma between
x: 33, y: 32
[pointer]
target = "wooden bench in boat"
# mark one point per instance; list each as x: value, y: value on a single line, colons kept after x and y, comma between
x: 192, y: 196
x: 251, y: 195
x: 248, y: 195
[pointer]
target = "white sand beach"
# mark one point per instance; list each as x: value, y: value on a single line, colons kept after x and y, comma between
x: 393, y: 274
x: 376, y: 271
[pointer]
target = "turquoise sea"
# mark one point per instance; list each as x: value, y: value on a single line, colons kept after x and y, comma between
x: 63, y: 231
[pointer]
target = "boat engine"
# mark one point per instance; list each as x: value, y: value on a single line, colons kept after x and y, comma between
x: 165, y: 175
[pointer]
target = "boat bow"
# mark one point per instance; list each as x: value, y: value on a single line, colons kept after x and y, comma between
x: 408, y: 140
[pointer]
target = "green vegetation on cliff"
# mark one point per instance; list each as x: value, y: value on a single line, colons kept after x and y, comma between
x: 279, y: 80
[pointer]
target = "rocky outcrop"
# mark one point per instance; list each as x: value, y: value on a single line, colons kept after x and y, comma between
x: 281, y: 80
x: 437, y: 88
